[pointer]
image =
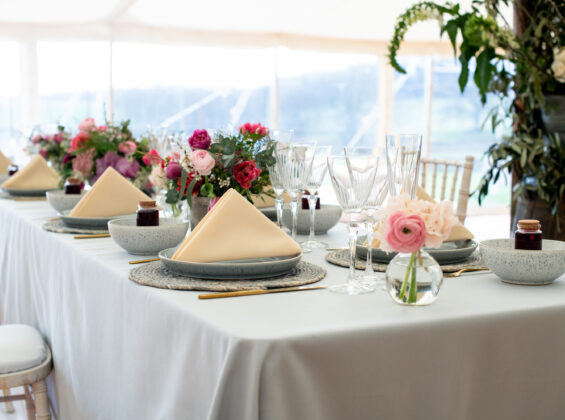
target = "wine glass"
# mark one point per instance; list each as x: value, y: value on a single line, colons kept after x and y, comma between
x: 403, y: 161
x: 313, y: 183
x: 375, y: 200
x: 278, y: 188
x: 294, y: 163
x: 352, y: 178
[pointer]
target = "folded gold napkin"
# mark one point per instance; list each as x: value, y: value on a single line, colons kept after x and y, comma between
x: 37, y: 175
x: 4, y: 163
x: 234, y: 229
x: 262, y: 201
x: 111, y: 195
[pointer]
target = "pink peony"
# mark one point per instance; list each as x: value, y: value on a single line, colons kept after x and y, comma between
x: 200, y: 139
x: 151, y: 157
x: 127, y: 147
x: 245, y: 173
x: 202, y: 161
x: 36, y: 139
x: 173, y: 170
x: 86, y: 125
x: 250, y: 128
x: 83, y: 163
x: 405, y: 232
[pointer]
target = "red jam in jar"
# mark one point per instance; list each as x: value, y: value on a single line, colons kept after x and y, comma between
x: 306, y: 203
x: 528, y: 236
x: 147, y: 214
x: 12, y: 169
x: 73, y: 186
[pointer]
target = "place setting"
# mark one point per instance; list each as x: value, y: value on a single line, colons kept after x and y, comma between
x: 30, y: 183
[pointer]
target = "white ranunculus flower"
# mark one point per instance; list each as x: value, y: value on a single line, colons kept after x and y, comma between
x: 558, y: 66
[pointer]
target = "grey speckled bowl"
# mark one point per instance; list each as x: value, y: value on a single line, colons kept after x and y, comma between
x: 326, y: 218
x: 61, y: 201
x: 524, y: 267
x: 147, y: 240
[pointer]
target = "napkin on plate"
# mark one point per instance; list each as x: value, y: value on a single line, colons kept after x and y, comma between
x: 235, y: 230
x: 37, y: 175
x: 4, y: 163
x: 111, y: 195
x: 263, y: 201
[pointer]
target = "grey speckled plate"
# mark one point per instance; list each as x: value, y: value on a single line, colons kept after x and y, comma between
x: 449, y: 253
x: 89, y: 222
x: 230, y: 270
x: 28, y: 193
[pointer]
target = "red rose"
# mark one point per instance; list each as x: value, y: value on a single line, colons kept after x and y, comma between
x: 189, y: 178
x: 245, y: 173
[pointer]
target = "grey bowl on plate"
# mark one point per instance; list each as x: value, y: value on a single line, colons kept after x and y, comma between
x: 16, y: 192
x: 61, y: 201
x: 518, y: 266
x: 326, y: 218
x: 449, y: 253
x: 89, y: 222
x: 147, y: 240
x: 230, y: 270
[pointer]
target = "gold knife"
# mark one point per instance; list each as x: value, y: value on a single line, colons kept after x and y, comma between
x: 144, y: 261
x: 99, y: 235
x: 257, y: 292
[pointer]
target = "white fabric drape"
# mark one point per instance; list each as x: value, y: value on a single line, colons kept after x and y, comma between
x: 484, y: 350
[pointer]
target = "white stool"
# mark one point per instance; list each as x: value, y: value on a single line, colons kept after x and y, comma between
x: 25, y: 360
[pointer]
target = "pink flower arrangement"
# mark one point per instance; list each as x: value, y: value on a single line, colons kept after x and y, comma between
x: 202, y: 161
x: 405, y: 232
x: 200, y: 139
x: 250, y: 128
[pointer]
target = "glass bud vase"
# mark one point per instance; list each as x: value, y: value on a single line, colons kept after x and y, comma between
x: 414, y: 279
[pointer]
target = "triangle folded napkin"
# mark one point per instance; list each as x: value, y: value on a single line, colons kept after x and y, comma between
x: 4, y: 163
x: 37, y: 175
x: 111, y: 195
x: 235, y: 230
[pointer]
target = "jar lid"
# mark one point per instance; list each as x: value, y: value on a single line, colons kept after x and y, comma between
x: 147, y: 204
x: 72, y: 180
x: 529, y: 224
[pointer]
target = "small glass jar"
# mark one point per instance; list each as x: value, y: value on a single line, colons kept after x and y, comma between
x: 306, y: 203
x: 528, y: 236
x: 73, y: 186
x: 12, y: 169
x: 147, y: 214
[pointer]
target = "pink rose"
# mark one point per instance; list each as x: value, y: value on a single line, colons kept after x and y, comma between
x: 36, y: 139
x: 245, y: 173
x: 200, y: 139
x: 127, y: 147
x: 405, y: 232
x: 202, y: 161
x: 86, y: 125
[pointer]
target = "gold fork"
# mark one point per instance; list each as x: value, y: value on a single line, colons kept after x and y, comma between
x: 464, y: 270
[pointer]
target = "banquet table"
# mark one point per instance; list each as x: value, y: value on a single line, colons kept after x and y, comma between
x: 483, y: 350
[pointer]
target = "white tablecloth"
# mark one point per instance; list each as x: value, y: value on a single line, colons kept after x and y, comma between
x: 483, y: 350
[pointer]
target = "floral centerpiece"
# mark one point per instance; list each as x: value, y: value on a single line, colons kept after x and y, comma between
x: 208, y: 166
x: 53, y: 147
x: 413, y: 276
x: 97, y: 147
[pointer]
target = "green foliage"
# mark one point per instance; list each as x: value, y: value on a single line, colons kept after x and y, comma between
x: 533, y: 154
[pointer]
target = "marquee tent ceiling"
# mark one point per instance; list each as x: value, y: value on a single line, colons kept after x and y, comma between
x: 358, y: 20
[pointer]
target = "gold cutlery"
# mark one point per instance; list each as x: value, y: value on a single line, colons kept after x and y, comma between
x: 144, y: 261
x: 28, y: 198
x: 100, y: 235
x: 258, y: 292
x: 336, y: 249
x: 465, y: 270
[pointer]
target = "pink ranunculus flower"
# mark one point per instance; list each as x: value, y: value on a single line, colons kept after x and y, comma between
x: 200, y: 139
x: 405, y: 232
x: 127, y: 147
x: 202, y: 161
x: 36, y: 139
x: 86, y: 125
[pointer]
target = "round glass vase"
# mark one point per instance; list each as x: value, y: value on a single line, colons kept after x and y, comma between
x: 413, y: 279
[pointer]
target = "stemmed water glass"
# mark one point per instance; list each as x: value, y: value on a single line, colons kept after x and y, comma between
x: 294, y: 164
x: 314, y: 181
x: 352, y: 178
x: 375, y: 200
x: 278, y: 188
x: 403, y: 161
